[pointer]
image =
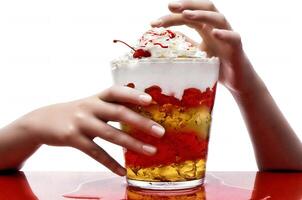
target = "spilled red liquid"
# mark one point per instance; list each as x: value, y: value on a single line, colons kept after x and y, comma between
x: 116, y: 189
x: 15, y: 187
x: 218, y: 186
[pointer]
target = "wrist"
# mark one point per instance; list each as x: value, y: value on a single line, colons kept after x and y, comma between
x: 251, y: 87
x: 246, y: 81
x: 25, y: 128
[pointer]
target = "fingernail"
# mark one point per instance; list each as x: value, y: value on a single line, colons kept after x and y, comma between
x: 215, y: 32
x: 145, y: 98
x: 158, y: 130
x: 157, y: 22
x: 189, y: 13
x: 149, y: 149
x: 122, y: 171
x: 175, y: 5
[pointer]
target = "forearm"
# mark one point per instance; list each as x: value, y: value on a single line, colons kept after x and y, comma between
x: 16, y: 145
x: 276, y: 145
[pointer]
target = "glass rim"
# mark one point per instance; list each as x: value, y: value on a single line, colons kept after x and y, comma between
x: 211, y: 61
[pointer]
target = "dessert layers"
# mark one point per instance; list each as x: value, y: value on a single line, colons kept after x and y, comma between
x: 182, y: 81
x: 181, y: 152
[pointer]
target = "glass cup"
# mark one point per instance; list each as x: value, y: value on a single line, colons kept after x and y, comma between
x: 183, y: 93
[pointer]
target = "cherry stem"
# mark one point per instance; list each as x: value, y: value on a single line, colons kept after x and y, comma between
x: 115, y: 41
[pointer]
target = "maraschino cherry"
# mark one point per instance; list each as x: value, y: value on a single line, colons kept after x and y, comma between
x: 138, y: 53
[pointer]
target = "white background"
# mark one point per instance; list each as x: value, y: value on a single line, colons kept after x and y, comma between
x: 59, y: 50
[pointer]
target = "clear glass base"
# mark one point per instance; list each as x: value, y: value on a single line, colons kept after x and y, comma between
x: 152, y: 185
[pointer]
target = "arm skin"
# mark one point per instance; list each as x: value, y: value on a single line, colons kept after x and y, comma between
x: 16, y: 145
x: 275, y: 144
x: 76, y: 124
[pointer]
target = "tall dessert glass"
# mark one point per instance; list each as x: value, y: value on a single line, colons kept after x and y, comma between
x: 183, y: 93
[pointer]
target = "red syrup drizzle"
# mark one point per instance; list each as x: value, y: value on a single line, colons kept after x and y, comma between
x: 138, y: 53
x: 170, y: 34
x: 161, y: 45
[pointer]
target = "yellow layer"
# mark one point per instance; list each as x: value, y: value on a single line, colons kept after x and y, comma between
x: 188, y: 170
x: 179, y: 118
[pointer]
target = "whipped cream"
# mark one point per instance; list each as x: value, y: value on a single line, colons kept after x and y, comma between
x: 172, y: 77
x: 164, y: 43
x: 174, y: 64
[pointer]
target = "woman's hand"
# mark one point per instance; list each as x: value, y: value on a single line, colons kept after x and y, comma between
x: 76, y: 123
x: 218, y: 39
x: 276, y: 145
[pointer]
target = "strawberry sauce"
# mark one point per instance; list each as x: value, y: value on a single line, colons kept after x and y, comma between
x: 173, y: 147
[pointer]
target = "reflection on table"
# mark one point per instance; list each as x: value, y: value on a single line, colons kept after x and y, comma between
x: 96, y: 185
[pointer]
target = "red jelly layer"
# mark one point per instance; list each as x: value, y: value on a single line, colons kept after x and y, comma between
x: 192, y: 97
x: 173, y: 147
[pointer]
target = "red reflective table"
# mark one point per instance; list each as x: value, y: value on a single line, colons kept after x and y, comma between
x: 107, y: 186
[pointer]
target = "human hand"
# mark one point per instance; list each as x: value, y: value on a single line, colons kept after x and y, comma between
x: 218, y: 39
x: 76, y: 123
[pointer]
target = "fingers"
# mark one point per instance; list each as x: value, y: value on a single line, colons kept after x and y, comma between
x: 214, y: 19
x: 195, y: 19
x: 119, y: 113
x: 125, y: 95
x: 174, y: 20
x: 230, y: 37
x: 113, y: 135
x: 93, y: 150
x: 180, y: 6
x: 194, y: 14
